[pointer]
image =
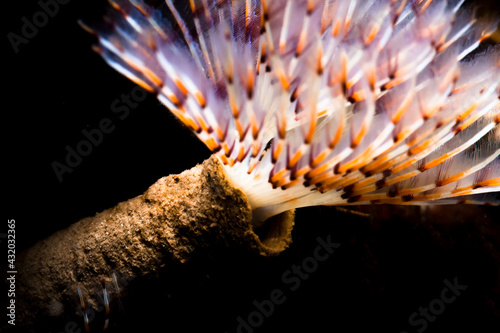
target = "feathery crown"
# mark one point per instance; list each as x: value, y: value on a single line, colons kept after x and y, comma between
x: 324, y: 102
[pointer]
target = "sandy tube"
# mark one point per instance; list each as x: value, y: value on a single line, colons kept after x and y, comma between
x: 177, y: 218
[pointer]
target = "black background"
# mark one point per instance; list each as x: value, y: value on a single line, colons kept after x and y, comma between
x: 390, y: 262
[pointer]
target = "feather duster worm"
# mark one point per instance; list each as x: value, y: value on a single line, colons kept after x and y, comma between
x: 303, y: 103
x: 316, y: 102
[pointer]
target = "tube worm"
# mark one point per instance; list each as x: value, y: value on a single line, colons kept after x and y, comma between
x: 302, y: 103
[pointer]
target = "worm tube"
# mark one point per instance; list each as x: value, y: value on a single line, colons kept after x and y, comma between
x: 195, y: 213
